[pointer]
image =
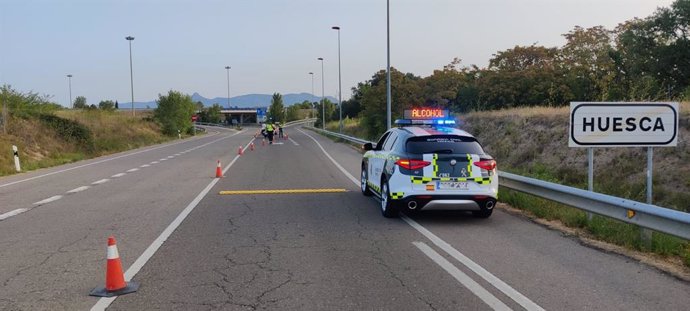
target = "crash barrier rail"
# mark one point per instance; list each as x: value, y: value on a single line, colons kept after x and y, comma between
x: 648, y: 216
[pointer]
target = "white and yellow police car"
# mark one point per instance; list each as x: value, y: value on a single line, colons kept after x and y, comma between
x: 427, y: 164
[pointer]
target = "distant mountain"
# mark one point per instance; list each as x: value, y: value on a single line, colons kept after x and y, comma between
x: 242, y: 101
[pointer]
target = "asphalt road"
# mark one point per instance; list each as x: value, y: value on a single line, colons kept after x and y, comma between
x: 200, y: 250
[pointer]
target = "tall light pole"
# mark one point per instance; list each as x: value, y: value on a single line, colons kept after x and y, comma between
x: 69, y: 77
x: 340, y: 86
x: 312, y: 91
x: 131, y: 72
x: 227, y: 68
x: 388, y: 64
x: 323, y: 102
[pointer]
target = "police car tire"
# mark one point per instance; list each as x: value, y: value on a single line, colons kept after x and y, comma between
x: 364, y: 183
x: 483, y: 213
x: 388, y: 208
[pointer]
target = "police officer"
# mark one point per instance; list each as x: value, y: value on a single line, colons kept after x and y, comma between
x: 269, y: 131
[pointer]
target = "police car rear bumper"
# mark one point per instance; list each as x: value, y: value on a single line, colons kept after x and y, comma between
x: 448, y: 202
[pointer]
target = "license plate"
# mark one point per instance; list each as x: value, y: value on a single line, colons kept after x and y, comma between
x: 453, y: 185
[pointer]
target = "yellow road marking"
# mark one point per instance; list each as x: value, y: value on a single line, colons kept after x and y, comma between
x: 281, y: 191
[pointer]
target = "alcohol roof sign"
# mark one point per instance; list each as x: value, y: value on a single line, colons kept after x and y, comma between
x: 613, y: 124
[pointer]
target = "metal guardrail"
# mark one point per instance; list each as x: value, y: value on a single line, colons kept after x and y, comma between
x: 648, y: 216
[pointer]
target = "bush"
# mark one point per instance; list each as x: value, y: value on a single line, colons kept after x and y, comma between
x: 69, y: 130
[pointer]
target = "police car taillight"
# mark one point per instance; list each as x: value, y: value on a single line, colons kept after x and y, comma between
x: 488, y: 165
x: 412, y: 164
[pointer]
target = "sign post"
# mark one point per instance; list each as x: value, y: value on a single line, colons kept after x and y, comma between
x: 622, y: 124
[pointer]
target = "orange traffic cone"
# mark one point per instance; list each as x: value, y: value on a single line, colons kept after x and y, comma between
x: 219, y: 171
x: 251, y: 146
x: 286, y: 137
x: 263, y: 142
x: 114, y: 277
x: 240, y: 151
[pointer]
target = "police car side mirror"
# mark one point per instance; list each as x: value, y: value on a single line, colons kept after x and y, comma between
x: 367, y: 147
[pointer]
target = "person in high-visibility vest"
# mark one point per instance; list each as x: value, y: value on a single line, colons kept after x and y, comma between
x: 269, y: 131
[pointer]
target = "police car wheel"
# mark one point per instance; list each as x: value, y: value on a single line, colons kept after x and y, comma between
x: 364, y: 182
x: 388, y: 209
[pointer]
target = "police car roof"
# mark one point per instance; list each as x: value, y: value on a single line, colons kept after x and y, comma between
x: 435, y: 130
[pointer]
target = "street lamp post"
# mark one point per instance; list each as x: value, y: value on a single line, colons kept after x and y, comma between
x: 323, y: 102
x: 228, y: 70
x: 131, y: 72
x: 340, y: 86
x: 388, y: 65
x: 69, y: 78
x: 312, y: 91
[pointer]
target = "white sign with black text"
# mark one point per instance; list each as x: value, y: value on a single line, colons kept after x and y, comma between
x: 617, y: 124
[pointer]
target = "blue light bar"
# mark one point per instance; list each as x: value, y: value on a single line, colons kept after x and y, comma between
x: 432, y: 122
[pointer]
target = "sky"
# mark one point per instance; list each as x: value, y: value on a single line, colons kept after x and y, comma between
x: 271, y: 45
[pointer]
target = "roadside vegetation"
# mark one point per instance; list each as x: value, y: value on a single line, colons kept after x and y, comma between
x: 47, y: 134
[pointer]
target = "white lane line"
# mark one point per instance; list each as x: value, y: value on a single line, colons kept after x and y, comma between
x: 80, y: 189
x: 13, y: 213
x: 103, y: 161
x: 178, y: 154
x: 463, y: 278
x: 170, y: 157
x: 132, y: 170
x: 48, y: 200
x: 118, y: 175
x: 354, y: 180
x: 163, y: 159
x: 102, y: 181
x: 476, y: 268
x: 103, y: 303
x: 144, y: 165
x: 293, y: 142
x: 154, y: 162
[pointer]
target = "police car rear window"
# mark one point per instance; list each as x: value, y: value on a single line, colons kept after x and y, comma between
x: 443, y: 145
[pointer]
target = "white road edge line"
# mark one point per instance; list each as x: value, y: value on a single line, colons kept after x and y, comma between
x: 103, y: 303
x: 48, y: 200
x: 13, y: 213
x: 132, y: 170
x: 118, y: 175
x: 99, y: 162
x: 463, y: 278
x: 102, y: 181
x: 354, y: 180
x: 80, y: 189
x: 476, y: 268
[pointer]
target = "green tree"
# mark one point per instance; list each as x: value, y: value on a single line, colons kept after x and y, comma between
x: 213, y: 113
x: 293, y: 112
x: 406, y: 93
x: 107, y: 105
x: 276, y: 110
x: 80, y: 103
x: 174, y: 112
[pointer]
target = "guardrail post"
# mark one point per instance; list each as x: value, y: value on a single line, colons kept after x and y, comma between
x: 16, y: 159
x: 646, y: 234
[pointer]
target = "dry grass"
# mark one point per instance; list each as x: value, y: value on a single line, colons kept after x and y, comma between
x: 40, y: 147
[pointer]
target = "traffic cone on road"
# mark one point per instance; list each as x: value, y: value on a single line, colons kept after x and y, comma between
x: 115, y: 284
x: 240, y: 151
x: 219, y: 171
x: 263, y: 142
x: 286, y: 137
x: 251, y: 146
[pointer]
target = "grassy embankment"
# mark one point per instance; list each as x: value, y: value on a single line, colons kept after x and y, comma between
x: 46, y: 142
x: 534, y: 142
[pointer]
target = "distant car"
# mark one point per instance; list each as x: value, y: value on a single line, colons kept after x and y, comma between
x: 426, y: 165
